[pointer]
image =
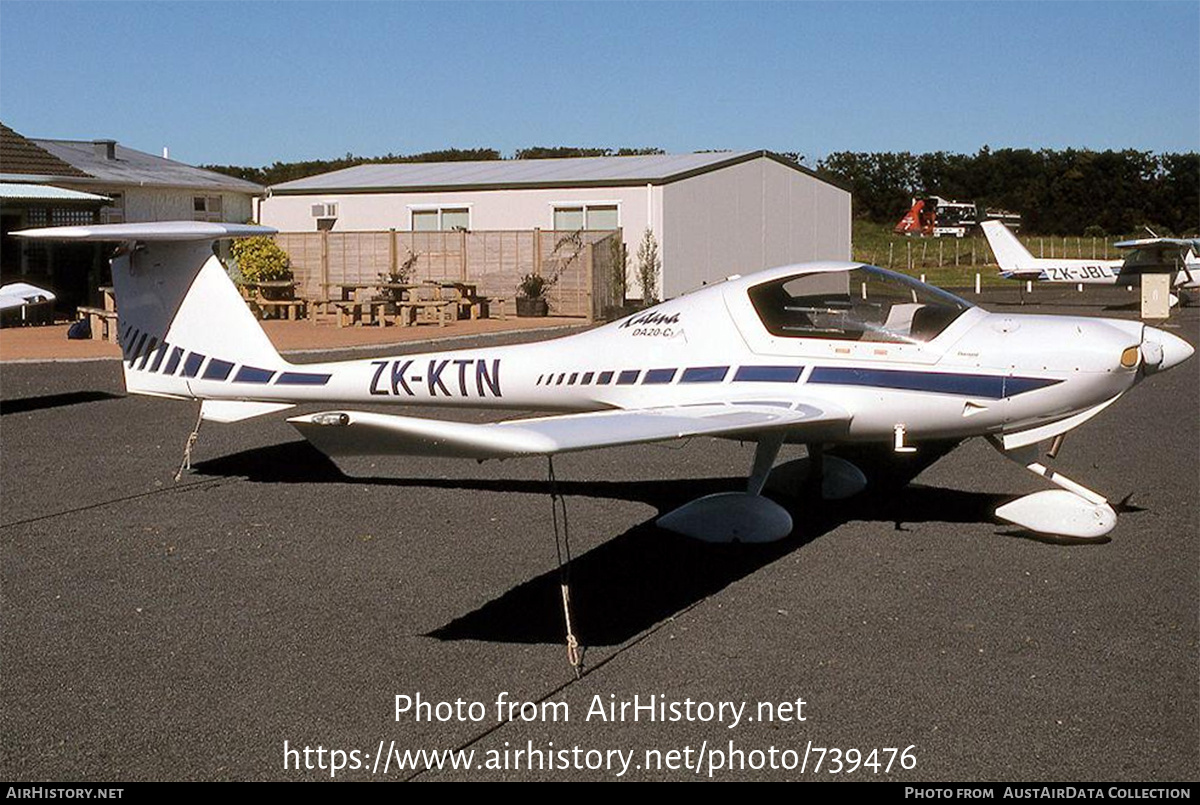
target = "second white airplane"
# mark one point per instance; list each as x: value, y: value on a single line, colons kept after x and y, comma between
x: 1017, y: 263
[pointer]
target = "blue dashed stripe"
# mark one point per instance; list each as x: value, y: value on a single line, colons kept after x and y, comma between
x: 302, y: 379
x: 173, y: 362
x: 252, y: 374
x: 192, y: 365
x: 768, y: 374
x: 704, y: 374
x: 992, y: 387
x: 149, y: 350
x: 628, y: 377
x: 217, y: 370
x: 655, y: 377
x: 133, y: 353
x: 158, y: 357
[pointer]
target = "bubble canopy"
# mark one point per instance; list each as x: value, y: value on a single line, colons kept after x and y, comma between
x: 863, y: 303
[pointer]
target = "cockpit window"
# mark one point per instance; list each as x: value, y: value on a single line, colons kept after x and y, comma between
x: 860, y: 304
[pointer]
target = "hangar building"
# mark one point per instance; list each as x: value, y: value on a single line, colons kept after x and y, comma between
x: 712, y: 214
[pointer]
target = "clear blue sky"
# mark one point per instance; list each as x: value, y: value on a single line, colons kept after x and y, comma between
x: 251, y: 83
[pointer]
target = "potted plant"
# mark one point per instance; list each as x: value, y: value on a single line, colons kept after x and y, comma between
x: 401, y: 275
x: 531, y: 296
x: 531, y: 292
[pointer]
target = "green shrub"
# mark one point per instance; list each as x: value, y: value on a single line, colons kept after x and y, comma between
x: 261, y: 260
x: 534, y: 286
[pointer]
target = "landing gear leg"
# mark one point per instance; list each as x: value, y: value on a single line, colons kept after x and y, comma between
x: 1071, y: 511
x: 736, y: 516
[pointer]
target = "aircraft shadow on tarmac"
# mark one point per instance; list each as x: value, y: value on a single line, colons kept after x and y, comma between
x: 23, y: 405
x: 639, y: 578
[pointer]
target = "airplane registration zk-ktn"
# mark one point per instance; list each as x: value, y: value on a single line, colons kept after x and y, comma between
x: 820, y: 354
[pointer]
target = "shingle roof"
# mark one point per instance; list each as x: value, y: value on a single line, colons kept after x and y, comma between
x: 520, y: 173
x: 10, y: 191
x: 20, y: 156
x: 133, y: 167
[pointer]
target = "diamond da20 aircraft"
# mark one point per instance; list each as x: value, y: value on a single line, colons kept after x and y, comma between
x: 820, y: 353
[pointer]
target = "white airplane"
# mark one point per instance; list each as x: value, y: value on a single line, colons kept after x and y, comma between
x: 819, y: 354
x: 1017, y: 263
x: 22, y: 294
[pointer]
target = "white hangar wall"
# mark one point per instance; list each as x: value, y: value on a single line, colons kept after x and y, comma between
x: 506, y: 209
x: 748, y: 217
x: 489, y: 209
x: 736, y: 219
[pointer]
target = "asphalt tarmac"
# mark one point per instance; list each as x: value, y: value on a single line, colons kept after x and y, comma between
x: 154, y: 630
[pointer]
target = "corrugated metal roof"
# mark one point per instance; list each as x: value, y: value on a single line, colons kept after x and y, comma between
x: 133, y: 167
x: 21, y: 156
x: 12, y: 191
x: 572, y: 172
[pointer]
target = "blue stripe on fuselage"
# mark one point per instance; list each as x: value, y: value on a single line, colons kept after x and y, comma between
x: 993, y: 387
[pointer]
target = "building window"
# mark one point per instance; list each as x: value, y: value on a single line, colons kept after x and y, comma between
x: 114, y: 211
x: 206, y: 208
x: 586, y: 216
x: 445, y: 219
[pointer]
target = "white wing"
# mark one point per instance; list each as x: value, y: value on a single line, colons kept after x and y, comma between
x: 1157, y: 251
x: 152, y: 230
x: 19, y: 294
x: 363, y: 433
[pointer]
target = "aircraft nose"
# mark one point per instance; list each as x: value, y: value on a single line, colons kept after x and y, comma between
x: 1162, y: 350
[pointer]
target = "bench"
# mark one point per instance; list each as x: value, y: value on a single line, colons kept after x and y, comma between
x: 480, y: 307
x: 320, y: 308
x: 443, y: 309
x: 351, y: 313
x: 102, y: 323
x: 498, y: 303
x: 290, y: 309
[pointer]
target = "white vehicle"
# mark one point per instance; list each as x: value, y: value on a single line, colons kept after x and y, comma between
x: 1017, y: 263
x: 819, y: 354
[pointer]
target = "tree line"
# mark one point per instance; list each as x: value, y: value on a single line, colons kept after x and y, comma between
x: 1067, y: 192
x: 287, y: 171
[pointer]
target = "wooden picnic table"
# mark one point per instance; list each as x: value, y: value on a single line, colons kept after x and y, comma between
x: 273, y: 295
x: 102, y: 321
x: 344, y: 298
x: 466, y: 294
x: 405, y: 303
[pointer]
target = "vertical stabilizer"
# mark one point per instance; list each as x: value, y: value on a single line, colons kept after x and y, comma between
x: 184, y: 329
x: 1012, y: 257
x: 182, y: 320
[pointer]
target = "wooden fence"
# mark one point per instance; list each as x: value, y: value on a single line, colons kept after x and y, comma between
x: 912, y: 253
x: 579, y: 264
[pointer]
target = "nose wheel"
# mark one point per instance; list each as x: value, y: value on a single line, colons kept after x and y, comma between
x: 1073, y: 510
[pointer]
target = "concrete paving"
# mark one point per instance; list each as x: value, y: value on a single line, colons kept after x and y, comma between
x: 154, y: 630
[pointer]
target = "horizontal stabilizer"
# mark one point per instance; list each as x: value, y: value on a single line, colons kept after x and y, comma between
x: 236, y: 410
x: 361, y: 433
x: 156, y: 230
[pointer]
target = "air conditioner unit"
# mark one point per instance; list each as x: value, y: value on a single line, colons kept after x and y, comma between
x: 324, y: 210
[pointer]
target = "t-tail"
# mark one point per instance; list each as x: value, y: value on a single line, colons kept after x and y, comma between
x: 184, y: 329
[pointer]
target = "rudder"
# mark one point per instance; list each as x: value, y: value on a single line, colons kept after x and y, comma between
x: 182, y: 321
x: 1010, y: 254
